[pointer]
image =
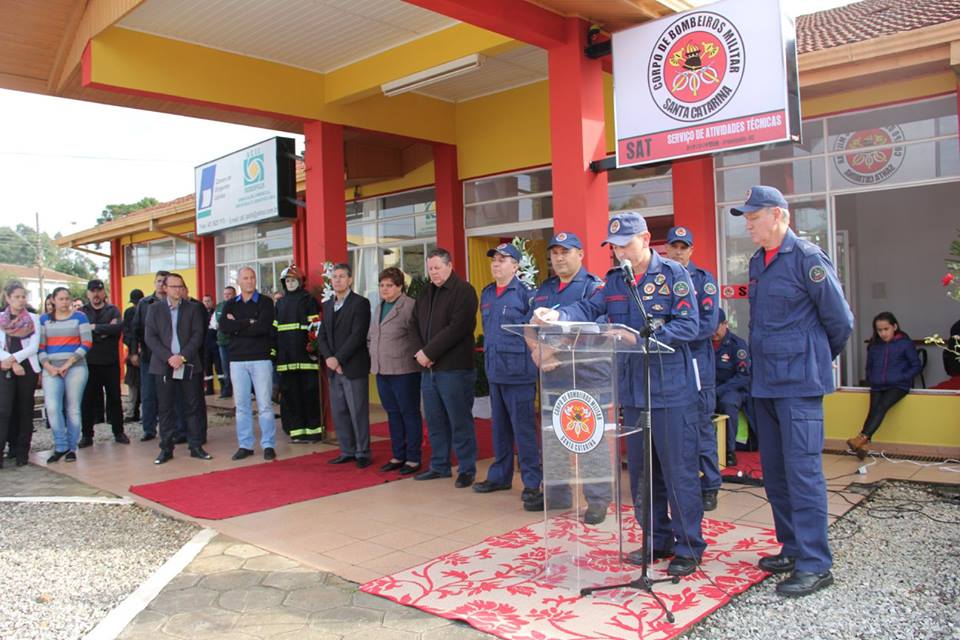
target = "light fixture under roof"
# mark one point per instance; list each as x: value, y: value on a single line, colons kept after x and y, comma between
x: 432, y: 75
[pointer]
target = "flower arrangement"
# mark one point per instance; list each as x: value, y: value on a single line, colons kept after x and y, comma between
x: 951, y: 281
x: 527, y: 273
x: 327, y: 286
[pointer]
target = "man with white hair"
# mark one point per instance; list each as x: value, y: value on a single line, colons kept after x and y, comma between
x: 799, y: 322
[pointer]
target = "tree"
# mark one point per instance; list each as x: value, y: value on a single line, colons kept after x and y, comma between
x: 114, y: 211
x: 19, y: 246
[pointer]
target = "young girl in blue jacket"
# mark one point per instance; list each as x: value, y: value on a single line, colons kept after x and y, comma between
x: 892, y: 364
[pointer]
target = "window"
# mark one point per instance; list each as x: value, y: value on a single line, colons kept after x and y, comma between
x: 267, y: 247
x: 168, y: 254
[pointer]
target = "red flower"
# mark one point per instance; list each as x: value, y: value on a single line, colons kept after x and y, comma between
x: 947, y: 279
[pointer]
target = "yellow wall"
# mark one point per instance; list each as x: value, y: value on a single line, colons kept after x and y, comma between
x: 144, y: 282
x: 422, y: 176
x: 919, y: 419
x: 918, y: 87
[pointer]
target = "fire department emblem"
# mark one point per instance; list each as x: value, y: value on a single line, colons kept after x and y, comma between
x: 561, y: 237
x: 680, y: 232
x: 696, y: 66
x: 858, y: 163
x: 578, y: 421
x: 614, y: 226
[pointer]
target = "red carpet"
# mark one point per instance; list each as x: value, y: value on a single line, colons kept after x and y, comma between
x: 748, y: 466
x: 236, y: 492
x: 500, y: 586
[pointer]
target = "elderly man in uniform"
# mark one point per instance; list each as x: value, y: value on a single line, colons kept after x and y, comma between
x: 670, y: 315
x: 512, y: 377
x: 680, y: 248
x: 799, y: 322
x: 571, y: 283
x: 732, y: 355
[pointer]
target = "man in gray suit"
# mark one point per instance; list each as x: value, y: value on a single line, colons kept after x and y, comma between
x: 174, y: 332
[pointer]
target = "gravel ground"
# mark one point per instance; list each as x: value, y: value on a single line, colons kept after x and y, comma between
x: 63, y: 567
x: 897, y: 576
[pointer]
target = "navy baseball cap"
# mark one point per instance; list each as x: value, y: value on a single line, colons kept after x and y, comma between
x: 622, y: 227
x: 565, y: 240
x: 721, y: 316
x: 505, y: 249
x: 680, y: 234
x: 94, y: 284
x: 761, y: 197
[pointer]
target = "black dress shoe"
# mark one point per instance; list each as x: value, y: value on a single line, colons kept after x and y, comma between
x: 489, y: 487
x: 709, y: 500
x: 529, y: 494
x: 534, y: 502
x: 731, y: 459
x: 85, y: 442
x: 409, y: 469
x: 242, y: 453
x: 341, y: 459
x: 163, y: 456
x: 121, y: 438
x: 392, y: 466
x: 71, y: 456
x: 464, y: 480
x: 803, y: 583
x: 681, y: 566
x: 56, y: 456
x: 636, y: 556
x: 200, y: 453
x: 595, y: 513
x: 269, y: 454
x: 430, y: 474
x: 363, y: 462
x: 776, y: 564
x: 147, y: 437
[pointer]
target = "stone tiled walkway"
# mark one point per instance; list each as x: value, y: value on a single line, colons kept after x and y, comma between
x: 236, y: 590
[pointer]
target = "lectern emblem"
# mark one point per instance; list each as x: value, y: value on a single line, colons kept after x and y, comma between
x: 578, y: 421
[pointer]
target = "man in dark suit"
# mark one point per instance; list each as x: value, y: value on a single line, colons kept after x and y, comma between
x: 343, y: 344
x: 174, y: 332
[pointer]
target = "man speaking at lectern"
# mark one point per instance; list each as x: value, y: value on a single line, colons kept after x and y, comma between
x: 669, y: 313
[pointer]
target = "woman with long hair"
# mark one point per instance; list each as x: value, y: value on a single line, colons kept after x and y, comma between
x: 65, y: 338
x: 892, y: 364
x: 19, y: 341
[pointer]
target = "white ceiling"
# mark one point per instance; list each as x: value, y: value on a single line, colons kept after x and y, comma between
x: 516, y: 67
x: 319, y: 35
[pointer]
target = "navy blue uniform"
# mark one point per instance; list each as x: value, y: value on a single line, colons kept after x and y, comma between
x: 733, y: 383
x: 595, y: 467
x: 668, y: 299
x: 512, y: 376
x: 799, y: 322
x: 705, y: 286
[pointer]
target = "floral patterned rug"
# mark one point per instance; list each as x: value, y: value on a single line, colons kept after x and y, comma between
x: 515, y: 587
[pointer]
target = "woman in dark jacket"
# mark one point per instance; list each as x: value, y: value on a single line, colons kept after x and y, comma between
x: 892, y: 364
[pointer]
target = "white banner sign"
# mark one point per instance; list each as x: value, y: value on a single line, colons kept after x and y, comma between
x: 708, y: 80
x: 247, y: 186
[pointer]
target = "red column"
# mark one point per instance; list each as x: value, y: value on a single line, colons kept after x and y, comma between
x: 695, y: 207
x: 576, y: 139
x: 116, y: 275
x: 206, y: 268
x: 449, y: 193
x: 325, y: 221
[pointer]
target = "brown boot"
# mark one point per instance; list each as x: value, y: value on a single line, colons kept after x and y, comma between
x: 858, y: 445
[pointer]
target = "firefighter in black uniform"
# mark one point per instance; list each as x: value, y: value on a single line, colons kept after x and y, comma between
x: 299, y: 374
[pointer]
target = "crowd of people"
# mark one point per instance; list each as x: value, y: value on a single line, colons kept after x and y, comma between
x: 421, y: 353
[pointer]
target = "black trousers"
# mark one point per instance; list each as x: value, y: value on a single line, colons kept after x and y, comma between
x: 880, y: 403
x: 16, y: 411
x: 300, y: 404
x: 188, y: 393
x: 211, y: 361
x: 104, y: 380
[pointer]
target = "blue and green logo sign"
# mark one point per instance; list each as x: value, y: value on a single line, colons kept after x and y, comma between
x: 253, y: 170
x: 205, y: 199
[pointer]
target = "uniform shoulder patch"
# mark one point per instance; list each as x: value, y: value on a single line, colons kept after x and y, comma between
x: 742, y: 354
x: 817, y: 273
x: 681, y: 288
x: 710, y: 289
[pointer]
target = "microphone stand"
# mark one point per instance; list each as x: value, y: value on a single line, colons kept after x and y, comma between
x: 644, y: 582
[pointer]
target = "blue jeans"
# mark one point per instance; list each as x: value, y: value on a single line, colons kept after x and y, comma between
x: 225, y: 361
x: 400, y: 397
x: 448, y: 403
x: 257, y: 375
x: 148, y: 399
x: 61, y: 398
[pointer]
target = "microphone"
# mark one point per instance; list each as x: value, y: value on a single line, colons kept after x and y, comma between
x: 627, y: 269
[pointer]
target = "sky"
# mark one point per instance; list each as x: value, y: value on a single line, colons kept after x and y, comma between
x: 68, y: 159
